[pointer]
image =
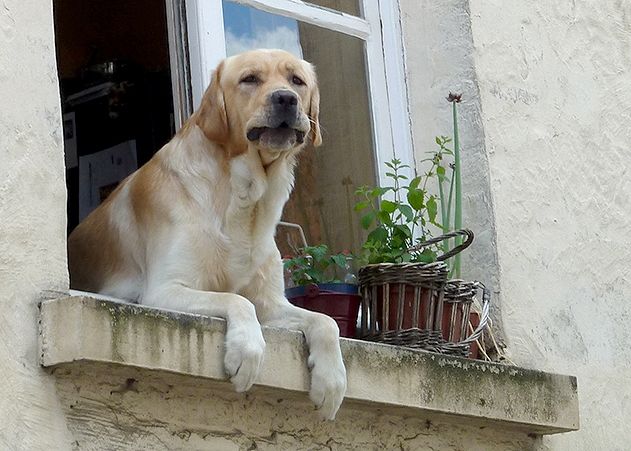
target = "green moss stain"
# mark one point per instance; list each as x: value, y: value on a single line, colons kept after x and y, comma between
x: 451, y: 381
x: 168, y: 332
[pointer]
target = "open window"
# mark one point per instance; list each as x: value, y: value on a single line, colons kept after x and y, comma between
x: 132, y: 72
x: 114, y: 70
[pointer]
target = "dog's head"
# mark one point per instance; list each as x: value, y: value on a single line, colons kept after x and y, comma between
x: 263, y: 98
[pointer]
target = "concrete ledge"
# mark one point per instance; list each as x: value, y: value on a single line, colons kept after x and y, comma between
x: 379, y: 376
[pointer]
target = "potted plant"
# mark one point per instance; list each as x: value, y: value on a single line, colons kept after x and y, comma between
x: 403, y: 280
x: 403, y: 283
x: 322, y: 282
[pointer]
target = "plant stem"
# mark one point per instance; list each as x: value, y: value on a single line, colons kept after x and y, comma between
x: 458, y: 187
x: 443, y: 213
x: 449, y: 204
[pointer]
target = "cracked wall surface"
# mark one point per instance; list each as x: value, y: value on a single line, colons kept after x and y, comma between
x: 32, y: 221
x: 546, y: 127
x: 556, y: 110
x: 116, y: 408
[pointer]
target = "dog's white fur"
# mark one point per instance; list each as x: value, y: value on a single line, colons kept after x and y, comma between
x: 193, y: 229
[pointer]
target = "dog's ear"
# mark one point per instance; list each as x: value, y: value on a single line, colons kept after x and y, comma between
x: 211, y: 116
x: 314, y: 116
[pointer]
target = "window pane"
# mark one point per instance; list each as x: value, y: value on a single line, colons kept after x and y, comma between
x: 326, y: 178
x: 248, y: 28
x: 345, y: 6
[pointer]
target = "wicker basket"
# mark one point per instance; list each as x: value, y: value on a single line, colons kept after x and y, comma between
x: 457, y: 301
x: 402, y: 303
x: 399, y: 302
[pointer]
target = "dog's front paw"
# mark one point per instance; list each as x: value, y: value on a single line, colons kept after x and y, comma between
x: 328, y: 374
x: 244, y: 354
x: 328, y: 385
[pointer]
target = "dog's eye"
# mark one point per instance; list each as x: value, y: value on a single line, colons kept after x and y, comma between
x: 297, y: 81
x: 250, y: 79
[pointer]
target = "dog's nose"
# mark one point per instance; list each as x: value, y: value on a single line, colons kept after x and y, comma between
x: 284, y: 99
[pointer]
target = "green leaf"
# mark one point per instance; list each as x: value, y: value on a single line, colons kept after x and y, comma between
x: 406, y: 210
x: 314, y: 275
x: 388, y: 206
x: 416, y: 181
x: 415, y: 198
x: 404, y: 230
x: 339, y: 260
x: 427, y: 256
x: 367, y: 220
x: 440, y: 170
x: 432, y: 208
x: 384, y: 217
x: 379, y: 191
x: 379, y: 235
x: 318, y: 254
x: 359, y: 206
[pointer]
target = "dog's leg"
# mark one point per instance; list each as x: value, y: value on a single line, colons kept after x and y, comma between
x: 244, y: 341
x: 328, y: 374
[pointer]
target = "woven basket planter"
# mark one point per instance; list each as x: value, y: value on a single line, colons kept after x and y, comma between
x: 400, y: 302
x: 413, y: 304
x: 457, y: 314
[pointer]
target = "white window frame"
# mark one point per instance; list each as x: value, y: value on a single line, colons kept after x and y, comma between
x: 380, y: 29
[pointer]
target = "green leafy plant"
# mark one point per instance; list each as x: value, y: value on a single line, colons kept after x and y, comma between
x: 316, y: 265
x: 393, y: 220
x: 393, y: 214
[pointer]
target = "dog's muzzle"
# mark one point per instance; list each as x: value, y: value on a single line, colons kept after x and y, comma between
x: 283, y: 121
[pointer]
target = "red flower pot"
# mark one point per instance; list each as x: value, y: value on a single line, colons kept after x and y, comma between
x: 340, y: 301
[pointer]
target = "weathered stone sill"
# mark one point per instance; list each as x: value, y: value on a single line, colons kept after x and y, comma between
x: 83, y: 329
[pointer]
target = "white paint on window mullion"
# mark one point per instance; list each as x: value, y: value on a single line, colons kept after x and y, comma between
x: 393, y: 53
x: 314, y: 15
x: 378, y: 94
x: 207, y: 42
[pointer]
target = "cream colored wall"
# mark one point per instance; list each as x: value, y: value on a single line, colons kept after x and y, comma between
x: 121, y: 408
x: 549, y: 90
x: 32, y: 222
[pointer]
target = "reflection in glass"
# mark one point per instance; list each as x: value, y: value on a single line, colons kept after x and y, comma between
x: 249, y: 28
x: 326, y: 177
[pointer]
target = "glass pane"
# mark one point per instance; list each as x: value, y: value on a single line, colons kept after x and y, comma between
x: 248, y: 28
x: 345, y: 6
x: 326, y: 177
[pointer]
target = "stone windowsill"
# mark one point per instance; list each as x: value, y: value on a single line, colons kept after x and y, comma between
x: 379, y: 376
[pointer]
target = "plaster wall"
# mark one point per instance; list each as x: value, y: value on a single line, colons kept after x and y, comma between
x: 123, y: 408
x: 32, y: 222
x: 547, y: 130
x: 439, y: 60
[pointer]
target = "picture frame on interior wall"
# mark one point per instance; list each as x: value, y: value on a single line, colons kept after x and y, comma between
x: 380, y: 30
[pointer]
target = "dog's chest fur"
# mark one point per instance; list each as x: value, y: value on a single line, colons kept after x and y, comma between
x: 257, y: 196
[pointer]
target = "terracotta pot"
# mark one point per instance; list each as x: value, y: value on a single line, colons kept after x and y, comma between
x: 340, y: 301
x: 408, y: 308
x: 456, y: 336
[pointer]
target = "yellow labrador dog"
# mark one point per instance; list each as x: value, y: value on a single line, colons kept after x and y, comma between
x: 193, y: 229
